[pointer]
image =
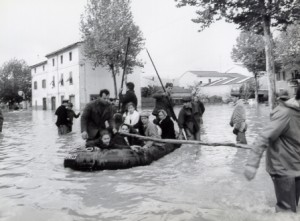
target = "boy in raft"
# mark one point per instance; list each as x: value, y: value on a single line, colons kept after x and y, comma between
x: 150, y: 129
x: 280, y: 138
x: 105, y: 142
x: 125, y: 140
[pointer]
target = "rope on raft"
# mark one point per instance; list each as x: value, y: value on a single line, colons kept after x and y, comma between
x: 194, y: 142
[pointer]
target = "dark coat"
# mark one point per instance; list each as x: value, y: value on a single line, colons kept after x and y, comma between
x: 281, y: 140
x: 94, y: 116
x: 164, y: 102
x: 186, y: 120
x: 71, y: 115
x: 167, y: 128
x: 126, y: 98
x: 120, y: 139
x: 98, y: 143
x: 62, y: 116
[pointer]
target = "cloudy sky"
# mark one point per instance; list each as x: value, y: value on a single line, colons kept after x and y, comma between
x: 32, y: 28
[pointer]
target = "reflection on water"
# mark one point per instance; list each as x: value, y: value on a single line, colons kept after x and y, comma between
x: 192, y: 183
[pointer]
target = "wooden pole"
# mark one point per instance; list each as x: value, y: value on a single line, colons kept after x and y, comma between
x: 124, y: 69
x: 168, y: 99
x: 194, y: 142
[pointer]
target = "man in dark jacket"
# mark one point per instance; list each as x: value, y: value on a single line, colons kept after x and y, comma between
x: 62, y: 118
x: 281, y: 140
x: 128, y: 97
x: 187, y: 121
x: 94, y: 116
x: 164, y: 102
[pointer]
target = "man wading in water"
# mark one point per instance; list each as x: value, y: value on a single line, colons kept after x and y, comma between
x: 281, y: 139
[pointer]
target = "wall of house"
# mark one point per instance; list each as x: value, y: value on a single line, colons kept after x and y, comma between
x: 87, y: 81
x: 220, y: 90
x: 190, y: 79
x: 92, y: 80
x: 38, y: 74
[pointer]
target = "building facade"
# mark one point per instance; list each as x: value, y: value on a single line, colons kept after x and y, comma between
x: 288, y: 80
x: 68, y: 74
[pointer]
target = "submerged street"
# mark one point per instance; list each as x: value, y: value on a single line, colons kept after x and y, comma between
x: 192, y: 183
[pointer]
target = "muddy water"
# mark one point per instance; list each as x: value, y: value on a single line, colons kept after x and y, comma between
x: 192, y: 183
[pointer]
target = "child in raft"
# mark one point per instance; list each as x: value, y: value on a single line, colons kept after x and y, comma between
x: 105, y: 142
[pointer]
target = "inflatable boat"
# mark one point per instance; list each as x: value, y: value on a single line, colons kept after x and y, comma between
x: 111, y: 159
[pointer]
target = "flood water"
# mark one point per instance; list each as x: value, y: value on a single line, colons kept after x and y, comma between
x: 192, y: 183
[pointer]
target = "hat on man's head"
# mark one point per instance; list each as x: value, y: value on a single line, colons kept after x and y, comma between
x: 144, y: 114
x: 187, y: 99
x: 65, y: 101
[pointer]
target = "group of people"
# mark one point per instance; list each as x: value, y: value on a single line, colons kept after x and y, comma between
x: 101, y: 124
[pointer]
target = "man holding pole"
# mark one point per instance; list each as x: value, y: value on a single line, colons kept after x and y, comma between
x: 164, y: 102
x: 128, y: 97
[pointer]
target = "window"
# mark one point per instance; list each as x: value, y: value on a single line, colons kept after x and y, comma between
x: 53, y: 62
x: 283, y: 75
x: 62, y: 98
x: 34, y: 70
x: 200, y: 82
x: 278, y: 76
x: 70, y: 78
x: 62, y: 79
x: 44, y: 83
x: 209, y: 80
x: 43, y: 67
x: 35, y: 85
x: 70, y: 56
x: 61, y: 59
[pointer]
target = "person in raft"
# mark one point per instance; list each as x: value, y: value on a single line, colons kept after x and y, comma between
x: 150, y: 129
x: 128, y: 97
x: 187, y: 121
x: 131, y: 116
x: 164, y: 101
x: 281, y: 140
x: 238, y: 121
x: 127, y: 140
x: 62, y: 118
x: 166, y: 125
x: 105, y: 142
x: 71, y: 115
x: 94, y: 116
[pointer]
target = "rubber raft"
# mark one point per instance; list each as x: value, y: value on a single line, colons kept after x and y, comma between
x: 113, y: 159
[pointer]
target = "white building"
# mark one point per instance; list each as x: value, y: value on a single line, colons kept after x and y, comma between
x: 68, y: 74
x: 213, y: 83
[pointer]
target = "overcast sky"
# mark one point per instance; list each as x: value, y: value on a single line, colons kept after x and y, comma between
x: 29, y: 29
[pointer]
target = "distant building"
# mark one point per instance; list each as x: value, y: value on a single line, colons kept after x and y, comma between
x: 214, y: 83
x: 288, y: 80
x: 68, y: 74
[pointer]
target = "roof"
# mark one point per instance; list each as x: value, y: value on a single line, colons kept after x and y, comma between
x: 38, y: 64
x: 233, y: 78
x: 207, y: 74
x: 63, y: 49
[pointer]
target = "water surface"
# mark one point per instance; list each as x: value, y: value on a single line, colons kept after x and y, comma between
x: 192, y: 183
